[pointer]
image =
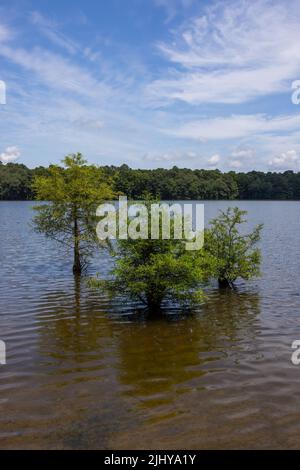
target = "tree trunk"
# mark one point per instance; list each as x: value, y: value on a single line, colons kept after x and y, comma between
x: 224, y: 284
x: 153, y: 303
x: 77, y: 268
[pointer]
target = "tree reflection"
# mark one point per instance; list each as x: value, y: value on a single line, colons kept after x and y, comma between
x: 149, y: 358
x: 76, y: 326
x: 158, y: 356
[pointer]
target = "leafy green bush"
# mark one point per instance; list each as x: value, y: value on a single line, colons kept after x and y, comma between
x: 235, y: 254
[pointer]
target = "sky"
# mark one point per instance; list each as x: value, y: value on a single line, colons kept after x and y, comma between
x: 151, y: 83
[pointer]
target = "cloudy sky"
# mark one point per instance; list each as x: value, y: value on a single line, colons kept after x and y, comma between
x: 151, y: 83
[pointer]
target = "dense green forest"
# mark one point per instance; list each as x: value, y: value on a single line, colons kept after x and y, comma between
x: 176, y: 183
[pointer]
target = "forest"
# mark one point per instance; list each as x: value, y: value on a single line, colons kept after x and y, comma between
x: 168, y: 184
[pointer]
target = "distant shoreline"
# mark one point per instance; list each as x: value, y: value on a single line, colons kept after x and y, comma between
x: 168, y: 184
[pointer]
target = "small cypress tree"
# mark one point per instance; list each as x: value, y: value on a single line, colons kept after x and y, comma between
x: 235, y: 254
x: 69, y: 216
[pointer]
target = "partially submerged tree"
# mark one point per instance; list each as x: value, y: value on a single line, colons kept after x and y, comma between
x: 152, y: 271
x: 69, y: 214
x: 236, y: 254
x: 156, y: 270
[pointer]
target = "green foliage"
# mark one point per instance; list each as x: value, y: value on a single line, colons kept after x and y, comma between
x: 152, y: 271
x: 69, y: 216
x: 235, y: 253
x: 15, y: 182
x: 175, y: 183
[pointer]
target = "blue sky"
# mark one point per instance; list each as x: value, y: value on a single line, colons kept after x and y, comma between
x: 151, y: 83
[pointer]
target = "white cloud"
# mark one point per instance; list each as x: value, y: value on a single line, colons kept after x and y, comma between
x: 242, y: 156
x: 89, y: 124
x: 90, y: 54
x: 50, y: 29
x: 60, y: 102
x: 172, y: 157
x: 289, y: 159
x: 10, y: 155
x: 229, y: 86
x: 243, y: 152
x: 214, y: 160
x: 235, y: 52
x: 56, y: 71
x: 5, y: 33
x: 235, y: 164
x: 234, y: 127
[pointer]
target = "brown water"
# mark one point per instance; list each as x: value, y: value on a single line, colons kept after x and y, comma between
x: 84, y: 371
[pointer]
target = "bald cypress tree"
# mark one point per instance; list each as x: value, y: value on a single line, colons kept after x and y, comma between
x: 68, y: 216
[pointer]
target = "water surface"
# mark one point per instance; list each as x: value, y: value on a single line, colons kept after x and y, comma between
x: 85, y: 371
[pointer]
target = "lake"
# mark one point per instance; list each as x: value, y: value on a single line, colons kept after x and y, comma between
x: 88, y: 372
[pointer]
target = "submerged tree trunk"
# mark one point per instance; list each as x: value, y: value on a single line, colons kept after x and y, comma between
x: 154, y: 307
x: 77, y: 267
x: 154, y: 302
x: 224, y: 284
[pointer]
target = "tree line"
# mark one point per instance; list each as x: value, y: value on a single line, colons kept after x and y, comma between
x: 175, y: 183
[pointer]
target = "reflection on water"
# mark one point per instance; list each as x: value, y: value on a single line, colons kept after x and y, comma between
x: 86, y: 371
x: 175, y: 351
